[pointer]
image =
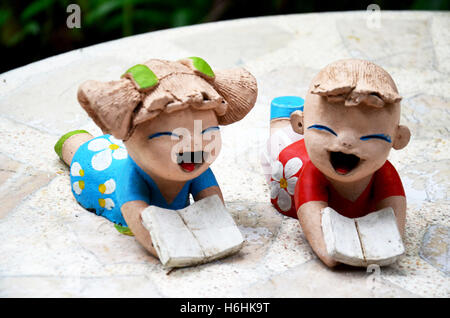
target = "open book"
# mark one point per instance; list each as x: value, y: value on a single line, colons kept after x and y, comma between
x: 199, y: 233
x: 371, y: 239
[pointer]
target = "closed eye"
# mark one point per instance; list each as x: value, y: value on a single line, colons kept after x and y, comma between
x: 384, y: 137
x: 321, y: 127
x: 210, y: 129
x: 163, y: 133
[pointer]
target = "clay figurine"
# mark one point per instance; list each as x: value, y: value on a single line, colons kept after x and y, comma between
x: 161, y: 123
x: 337, y: 180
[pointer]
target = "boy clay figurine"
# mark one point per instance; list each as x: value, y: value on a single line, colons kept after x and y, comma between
x: 161, y: 121
x: 350, y: 122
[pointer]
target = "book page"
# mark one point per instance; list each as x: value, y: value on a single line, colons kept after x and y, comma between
x: 380, y: 237
x: 213, y: 227
x: 173, y: 241
x: 341, y: 238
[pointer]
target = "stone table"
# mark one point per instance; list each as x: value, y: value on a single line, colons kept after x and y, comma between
x: 50, y: 246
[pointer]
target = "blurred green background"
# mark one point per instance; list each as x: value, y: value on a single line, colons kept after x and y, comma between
x: 33, y: 30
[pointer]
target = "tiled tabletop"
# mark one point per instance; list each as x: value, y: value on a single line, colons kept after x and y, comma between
x: 50, y: 246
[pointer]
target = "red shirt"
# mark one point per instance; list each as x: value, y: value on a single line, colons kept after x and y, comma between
x: 313, y: 186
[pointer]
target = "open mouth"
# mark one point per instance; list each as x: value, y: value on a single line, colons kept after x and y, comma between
x: 189, y: 161
x: 343, y: 163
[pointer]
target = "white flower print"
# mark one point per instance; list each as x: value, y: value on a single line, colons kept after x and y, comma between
x: 77, y: 171
x: 106, y: 203
x: 78, y: 187
x: 107, y: 188
x: 283, y: 184
x: 108, y: 148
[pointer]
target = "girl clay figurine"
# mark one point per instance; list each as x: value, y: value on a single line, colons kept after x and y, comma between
x: 349, y: 124
x: 161, y: 124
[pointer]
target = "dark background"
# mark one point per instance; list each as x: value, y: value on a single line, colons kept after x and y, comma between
x: 33, y: 30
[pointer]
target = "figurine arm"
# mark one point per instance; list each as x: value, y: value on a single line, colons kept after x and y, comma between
x: 131, y: 212
x: 398, y: 204
x: 209, y: 192
x: 310, y: 217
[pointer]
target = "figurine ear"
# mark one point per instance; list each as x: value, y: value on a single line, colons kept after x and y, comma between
x: 110, y: 105
x: 239, y: 89
x: 401, y: 138
x: 297, y: 121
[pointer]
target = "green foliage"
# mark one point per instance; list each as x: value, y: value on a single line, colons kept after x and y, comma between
x: 101, y: 19
x: 431, y: 5
x: 4, y: 16
x: 35, y: 8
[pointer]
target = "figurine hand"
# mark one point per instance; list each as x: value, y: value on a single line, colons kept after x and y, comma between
x: 131, y: 212
x: 310, y: 217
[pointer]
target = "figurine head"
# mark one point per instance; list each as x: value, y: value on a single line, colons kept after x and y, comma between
x: 351, y: 120
x: 168, y: 113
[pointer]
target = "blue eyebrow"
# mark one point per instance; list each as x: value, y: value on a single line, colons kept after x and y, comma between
x: 164, y: 133
x: 321, y: 127
x: 210, y: 128
x: 384, y: 137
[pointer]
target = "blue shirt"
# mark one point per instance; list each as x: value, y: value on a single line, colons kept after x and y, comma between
x: 104, y: 178
x: 138, y: 185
